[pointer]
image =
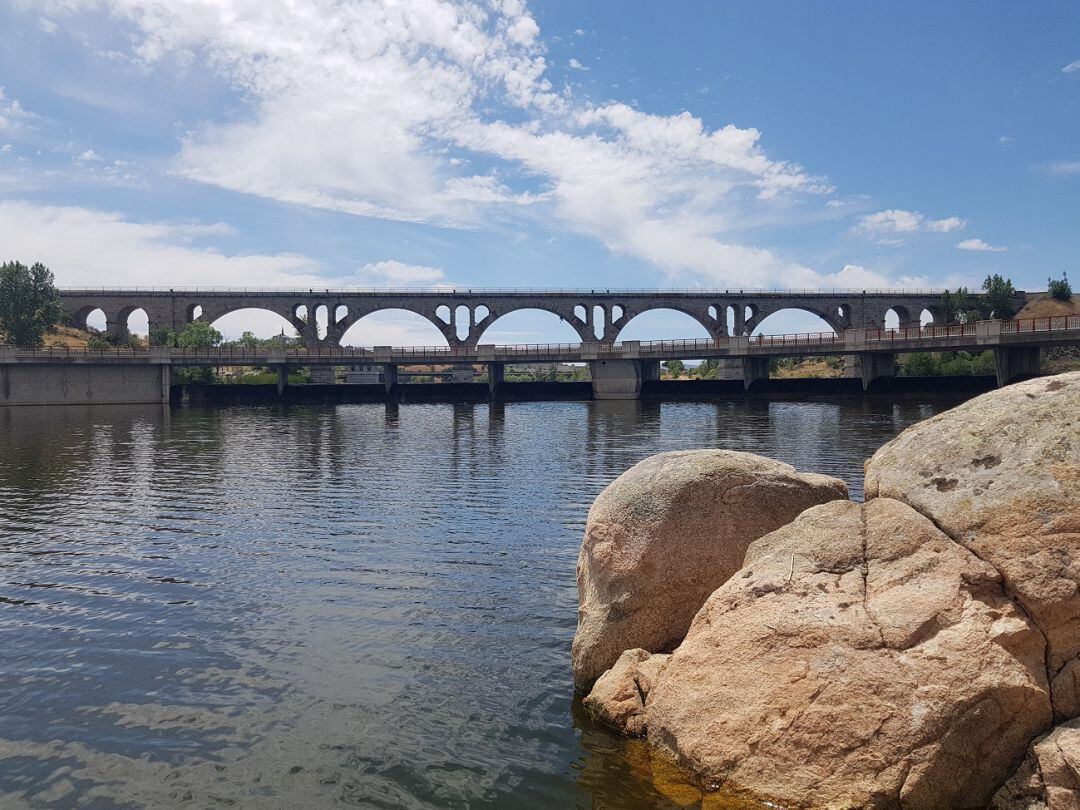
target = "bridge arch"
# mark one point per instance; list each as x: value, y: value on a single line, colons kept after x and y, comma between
x: 263, y: 323
x: 793, y: 320
x: 798, y: 318
x: 90, y: 318
x: 530, y: 325
x: 134, y: 320
x: 390, y: 326
x: 674, y: 324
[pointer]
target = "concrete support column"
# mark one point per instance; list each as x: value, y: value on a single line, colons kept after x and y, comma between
x: 496, y: 376
x: 323, y: 375
x: 166, y: 383
x: 389, y: 376
x: 282, y: 379
x: 1015, y: 362
x: 876, y: 364
x: 729, y: 369
x: 754, y: 369
x: 615, y: 379
x: 740, y: 319
x: 650, y: 370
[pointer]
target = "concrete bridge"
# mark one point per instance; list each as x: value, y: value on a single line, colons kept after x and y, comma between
x: 322, y: 316
x: 56, y: 375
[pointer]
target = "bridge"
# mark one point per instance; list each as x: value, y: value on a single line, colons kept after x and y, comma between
x: 37, y: 375
x: 322, y: 316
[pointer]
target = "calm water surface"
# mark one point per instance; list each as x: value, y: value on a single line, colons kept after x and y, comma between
x: 352, y: 605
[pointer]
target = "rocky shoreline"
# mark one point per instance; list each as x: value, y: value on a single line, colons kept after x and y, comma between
x: 921, y: 649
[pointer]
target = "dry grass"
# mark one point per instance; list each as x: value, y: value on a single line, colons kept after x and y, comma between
x: 806, y: 368
x: 1046, y: 307
x: 68, y: 336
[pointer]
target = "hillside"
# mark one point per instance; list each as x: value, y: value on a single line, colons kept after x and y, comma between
x: 1046, y: 307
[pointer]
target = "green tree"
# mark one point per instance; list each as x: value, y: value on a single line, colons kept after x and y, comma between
x: 919, y: 364
x: 198, y: 335
x: 1060, y: 289
x: 708, y: 370
x: 29, y: 303
x: 675, y: 368
x: 997, y: 299
x: 955, y: 306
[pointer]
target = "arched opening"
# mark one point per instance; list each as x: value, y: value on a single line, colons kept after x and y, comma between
x: 529, y: 326
x: 599, y: 321
x: 253, y: 324
x: 92, y: 320
x: 322, y: 320
x: 730, y: 318
x: 926, y: 318
x: 393, y: 327
x: 581, y: 313
x: 462, y: 318
x: 663, y: 324
x: 480, y: 312
x: 897, y: 317
x: 792, y: 322
x: 136, y: 321
x: 616, y: 312
x: 843, y: 315
x: 194, y: 312
x: 443, y: 314
x: 341, y: 312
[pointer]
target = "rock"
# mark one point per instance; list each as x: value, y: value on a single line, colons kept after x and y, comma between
x: 665, y: 534
x: 1001, y: 475
x: 860, y: 658
x: 619, y: 696
x: 1050, y: 775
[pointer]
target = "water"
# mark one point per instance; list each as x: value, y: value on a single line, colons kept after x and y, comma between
x: 353, y: 605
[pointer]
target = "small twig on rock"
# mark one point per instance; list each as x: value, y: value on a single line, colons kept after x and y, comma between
x: 791, y: 571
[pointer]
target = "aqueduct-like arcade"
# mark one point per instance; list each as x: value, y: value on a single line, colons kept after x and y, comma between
x: 322, y: 317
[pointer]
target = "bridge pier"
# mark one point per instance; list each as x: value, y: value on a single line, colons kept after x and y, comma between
x: 754, y: 369
x: 1015, y: 362
x: 621, y: 379
x: 282, y: 379
x: 496, y: 373
x: 876, y: 364
x: 389, y: 376
x: 323, y: 375
x: 462, y: 373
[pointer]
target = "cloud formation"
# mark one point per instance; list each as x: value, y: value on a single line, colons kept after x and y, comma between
x: 896, y: 220
x: 1072, y: 67
x: 980, y: 245
x: 441, y: 112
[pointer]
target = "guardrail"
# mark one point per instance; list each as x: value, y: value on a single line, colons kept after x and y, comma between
x: 1051, y: 324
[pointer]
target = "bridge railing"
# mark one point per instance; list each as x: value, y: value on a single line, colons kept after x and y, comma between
x: 917, y: 332
x: 430, y: 291
x: 1053, y: 323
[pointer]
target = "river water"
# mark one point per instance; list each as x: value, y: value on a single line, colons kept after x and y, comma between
x: 358, y: 605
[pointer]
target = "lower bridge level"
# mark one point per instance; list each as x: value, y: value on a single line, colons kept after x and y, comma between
x: 617, y: 371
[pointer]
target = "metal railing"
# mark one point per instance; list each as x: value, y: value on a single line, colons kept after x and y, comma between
x: 439, y: 290
x: 1053, y: 323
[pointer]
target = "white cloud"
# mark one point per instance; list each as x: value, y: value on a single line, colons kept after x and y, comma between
x: 47, y: 25
x: 980, y: 245
x: 89, y: 155
x: 1006, y: 140
x: 392, y: 273
x: 1072, y: 67
x: 12, y: 114
x: 576, y: 65
x: 579, y: 32
x: 897, y: 220
x: 1064, y: 168
x: 380, y: 109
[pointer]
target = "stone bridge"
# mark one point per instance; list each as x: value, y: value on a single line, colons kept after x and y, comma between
x: 322, y: 316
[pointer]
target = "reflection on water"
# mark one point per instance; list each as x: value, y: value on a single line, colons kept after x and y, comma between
x: 362, y: 605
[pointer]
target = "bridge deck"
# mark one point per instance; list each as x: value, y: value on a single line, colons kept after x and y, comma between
x: 1035, y: 332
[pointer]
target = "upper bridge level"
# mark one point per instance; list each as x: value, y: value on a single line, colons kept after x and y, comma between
x: 322, y: 316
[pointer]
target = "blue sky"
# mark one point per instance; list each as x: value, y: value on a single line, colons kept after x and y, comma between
x: 550, y: 144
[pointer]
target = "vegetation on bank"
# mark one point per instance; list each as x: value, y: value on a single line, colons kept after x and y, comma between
x: 29, y: 303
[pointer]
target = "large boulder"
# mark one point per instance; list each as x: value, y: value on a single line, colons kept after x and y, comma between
x: 619, y: 696
x: 861, y: 658
x: 665, y: 534
x: 1049, y: 779
x: 1000, y: 474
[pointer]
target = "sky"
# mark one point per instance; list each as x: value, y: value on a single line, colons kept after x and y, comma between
x: 555, y: 144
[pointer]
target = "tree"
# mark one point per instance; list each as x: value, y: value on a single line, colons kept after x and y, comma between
x: 29, y: 303
x: 954, y: 306
x: 675, y: 368
x: 198, y: 335
x: 1060, y: 289
x: 997, y: 300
